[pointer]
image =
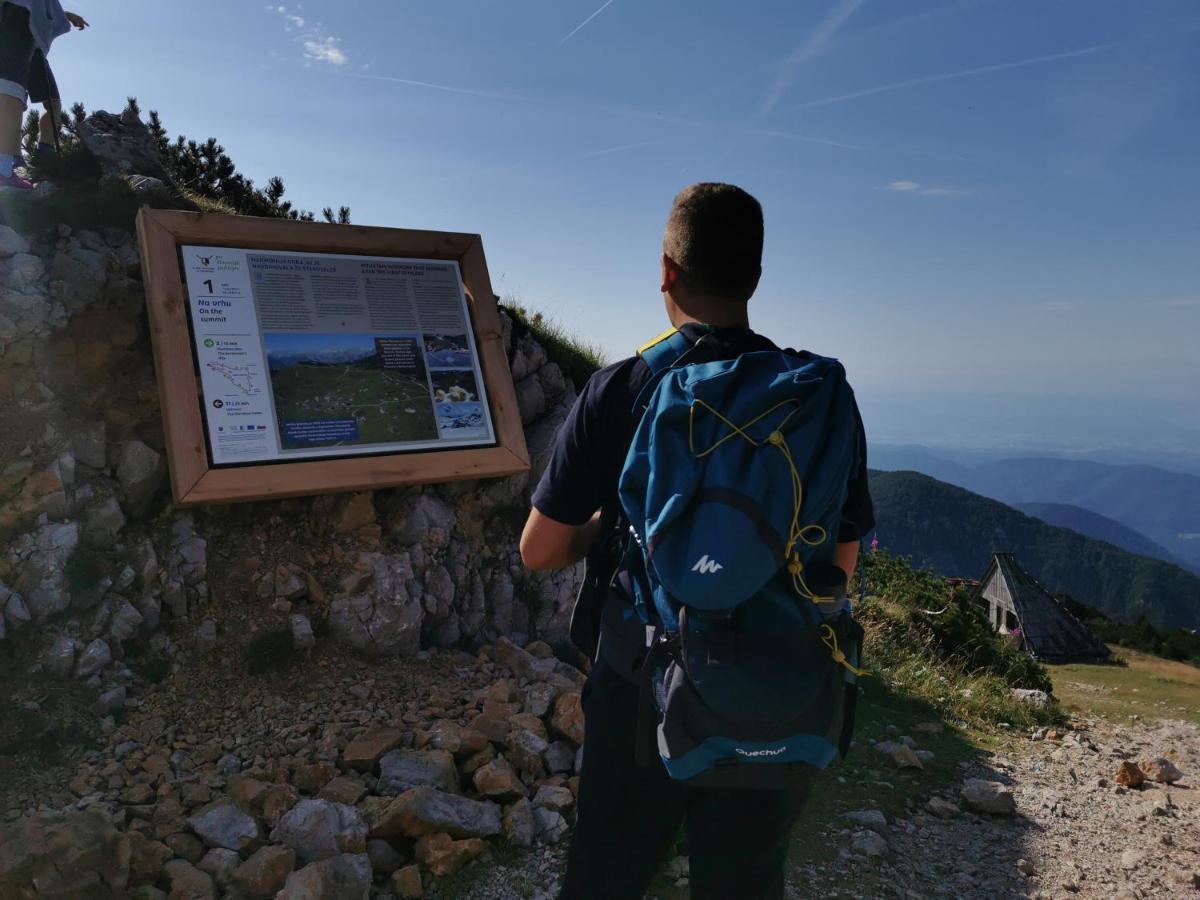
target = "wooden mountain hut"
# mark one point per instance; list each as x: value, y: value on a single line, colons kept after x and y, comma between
x: 1016, y: 604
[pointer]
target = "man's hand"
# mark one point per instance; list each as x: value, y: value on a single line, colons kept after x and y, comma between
x: 549, y: 544
x: 77, y: 20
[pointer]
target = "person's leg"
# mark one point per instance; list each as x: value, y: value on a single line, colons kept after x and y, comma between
x: 43, y: 89
x: 738, y: 841
x: 627, y: 814
x: 16, y: 51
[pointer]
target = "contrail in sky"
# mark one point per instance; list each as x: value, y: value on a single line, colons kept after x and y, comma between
x: 950, y: 76
x: 837, y: 16
x: 580, y: 26
x: 448, y: 88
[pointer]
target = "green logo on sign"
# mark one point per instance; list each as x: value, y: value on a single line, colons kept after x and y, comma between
x: 208, y: 342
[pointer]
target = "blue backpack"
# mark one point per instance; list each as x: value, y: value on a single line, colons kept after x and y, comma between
x: 733, y: 488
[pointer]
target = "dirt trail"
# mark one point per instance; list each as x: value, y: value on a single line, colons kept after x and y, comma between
x: 1076, y: 832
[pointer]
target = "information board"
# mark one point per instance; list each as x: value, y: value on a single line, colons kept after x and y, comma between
x: 301, y: 357
x: 312, y: 355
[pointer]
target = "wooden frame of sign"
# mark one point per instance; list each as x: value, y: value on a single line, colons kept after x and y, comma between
x: 194, y: 477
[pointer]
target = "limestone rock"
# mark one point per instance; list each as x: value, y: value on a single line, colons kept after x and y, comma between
x: 988, y: 796
x: 556, y: 798
x: 871, y: 819
x: 344, y: 877
x: 550, y: 825
x: 95, y: 657
x: 385, y: 859
x: 406, y: 883
x: 319, y: 829
x: 1129, y: 774
x: 146, y: 858
x: 1161, y: 770
x: 425, y: 810
x: 401, y: 770
x: 263, y: 874
x: 224, y: 825
x: 519, y: 825
x: 366, y: 749
x: 141, y: 471
x: 442, y: 855
x: 77, y: 854
x: 122, y: 144
x: 869, y: 843
x: 384, y: 622
x: 220, y: 864
x: 568, y: 717
x: 943, y: 809
x: 188, y: 882
x: 498, y: 780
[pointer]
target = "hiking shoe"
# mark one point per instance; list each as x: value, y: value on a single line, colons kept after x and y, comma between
x: 15, y: 182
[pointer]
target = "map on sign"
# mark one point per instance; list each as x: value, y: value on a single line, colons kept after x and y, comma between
x: 309, y: 355
x: 241, y: 377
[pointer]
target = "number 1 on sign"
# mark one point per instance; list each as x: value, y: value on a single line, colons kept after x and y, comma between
x: 208, y: 283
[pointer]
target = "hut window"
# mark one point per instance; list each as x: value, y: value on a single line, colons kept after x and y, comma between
x: 1010, y: 621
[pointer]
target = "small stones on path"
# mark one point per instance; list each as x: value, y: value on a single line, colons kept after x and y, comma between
x: 988, y: 796
x: 1129, y: 774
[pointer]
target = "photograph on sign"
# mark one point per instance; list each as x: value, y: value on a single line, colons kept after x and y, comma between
x: 316, y: 355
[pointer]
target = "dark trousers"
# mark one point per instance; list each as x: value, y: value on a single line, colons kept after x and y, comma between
x: 629, y: 815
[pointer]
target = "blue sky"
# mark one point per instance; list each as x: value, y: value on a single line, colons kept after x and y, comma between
x: 967, y: 199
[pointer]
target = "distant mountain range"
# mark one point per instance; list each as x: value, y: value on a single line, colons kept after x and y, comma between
x: 1162, y: 506
x: 955, y: 532
x: 347, y: 356
x: 1094, y: 525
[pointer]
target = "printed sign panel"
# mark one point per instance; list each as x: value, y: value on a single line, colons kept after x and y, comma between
x: 318, y: 355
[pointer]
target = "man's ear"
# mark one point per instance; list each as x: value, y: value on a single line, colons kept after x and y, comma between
x: 670, y: 273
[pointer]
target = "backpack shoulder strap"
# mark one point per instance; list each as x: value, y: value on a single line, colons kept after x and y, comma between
x: 664, y: 351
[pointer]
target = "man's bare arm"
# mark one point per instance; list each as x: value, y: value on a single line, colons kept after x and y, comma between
x: 845, y: 557
x: 549, y: 544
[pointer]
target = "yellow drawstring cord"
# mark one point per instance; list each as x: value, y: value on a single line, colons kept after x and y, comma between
x: 829, y: 639
x: 797, y: 533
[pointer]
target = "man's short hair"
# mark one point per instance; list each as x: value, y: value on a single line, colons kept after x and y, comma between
x: 715, y: 236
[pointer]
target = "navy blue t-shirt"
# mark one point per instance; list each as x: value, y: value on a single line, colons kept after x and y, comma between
x: 592, y: 444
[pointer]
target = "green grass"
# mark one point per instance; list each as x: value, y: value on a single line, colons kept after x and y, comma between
x: 1148, y: 686
x: 377, y: 400
x: 578, y: 358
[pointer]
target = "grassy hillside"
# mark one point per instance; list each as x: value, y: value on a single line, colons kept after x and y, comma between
x: 1149, y: 687
x: 955, y: 532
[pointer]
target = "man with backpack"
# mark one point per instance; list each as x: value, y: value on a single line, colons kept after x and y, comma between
x: 717, y: 486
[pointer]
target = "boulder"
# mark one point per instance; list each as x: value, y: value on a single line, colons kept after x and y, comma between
x: 141, y: 471
x: 988, y: 796
x: 385, y: 859
x: 401, y: 770
x: 442, y: 855
x: 95, y: 657
x: 406, y: 883
x: 220, y: 864
x: 122, y: 144
x: 263, y: 875
x: 520, y: 828
x: 550, y: 825
x: 379, y: 625
x: 224, y: 825
x: 344, y: 877
x: 871, y: 819
x: 1129, y: 774
x: 76, y: 854
x: 1161, y: 770
x: 567, y: 719
x: 943, y: 809
x: 366, y: 749
x: 498, y: 780
x: 303, y: 637
x: 869, y: 843
x: 146, y: 858
x: 320, y: 829
x: 557, y: 798
x: 425, y: 810
x: 1031, y: 696
x: 188, y: 882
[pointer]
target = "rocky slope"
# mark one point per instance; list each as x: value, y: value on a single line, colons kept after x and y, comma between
x: 119, y: 615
